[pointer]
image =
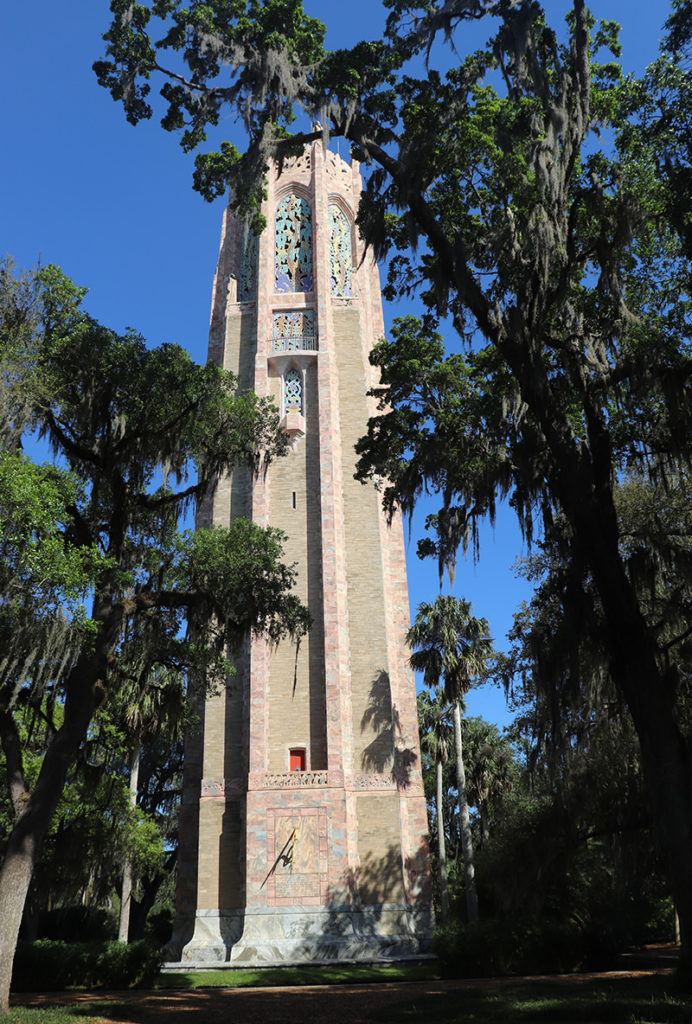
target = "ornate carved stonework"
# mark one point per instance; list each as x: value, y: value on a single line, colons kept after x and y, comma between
x: 294, y: 780
x: 247, y: 284
x: 222, y: 787
x: 336, y: 168
x: 298, y: 163
x: 297, y: 856
x: 372, y: 780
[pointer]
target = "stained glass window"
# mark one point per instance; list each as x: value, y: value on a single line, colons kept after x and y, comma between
x: 340, y: 253
x: 293, y: 254
x: 247, y: 283
x: 293, y: 391
x: 293, y: 331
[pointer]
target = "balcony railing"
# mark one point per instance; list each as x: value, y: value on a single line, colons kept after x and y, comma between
x: 296, y: 343
x: 295, y: 780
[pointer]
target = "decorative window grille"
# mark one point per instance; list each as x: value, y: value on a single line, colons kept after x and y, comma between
x: 247, y: 284
x: 292, y: 332
x: 293, y: 241
x: 340, y: 252
x: 293, y: 391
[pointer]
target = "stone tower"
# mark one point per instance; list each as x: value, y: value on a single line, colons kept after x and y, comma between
x: 303, y: 826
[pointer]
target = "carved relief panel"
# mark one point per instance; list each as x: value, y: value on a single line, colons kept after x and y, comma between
x: 297, y: 856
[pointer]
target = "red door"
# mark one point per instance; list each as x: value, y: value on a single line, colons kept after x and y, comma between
x: 297, y: 760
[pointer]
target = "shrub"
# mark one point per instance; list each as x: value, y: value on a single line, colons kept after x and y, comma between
x: 77, y: 924
x: 497, y: 947
x: 47, y: 965
x: 159, y: 927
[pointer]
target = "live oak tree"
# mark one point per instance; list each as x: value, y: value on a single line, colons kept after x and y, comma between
x: 100, y: 588
x: 576, y: 841
x: 582, y: 750
x: 92, y: 829
x: 537, y: 200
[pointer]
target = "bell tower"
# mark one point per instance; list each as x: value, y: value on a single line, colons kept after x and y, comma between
x: 303, y: 825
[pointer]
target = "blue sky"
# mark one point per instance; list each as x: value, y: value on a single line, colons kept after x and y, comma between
x: 114, y: 207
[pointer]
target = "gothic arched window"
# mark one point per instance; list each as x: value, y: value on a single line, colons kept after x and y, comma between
x: 293, y: 240
x: 340, y: 252
x: 293, y: 391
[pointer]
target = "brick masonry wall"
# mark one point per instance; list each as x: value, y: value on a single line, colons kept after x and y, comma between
x: 351, y: 830
x: 379, y: 849
x: 297, y: 712
x: 371, y: 708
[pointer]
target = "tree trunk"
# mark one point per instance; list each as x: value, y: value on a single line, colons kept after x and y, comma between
x: 23, y: 847
x: 34, y: 816
x: 485, y: 823
x: 651, y: 695
x: 464, y: 822
x: 441, y: 850
x: 15, y: 878
x: 139, y: 910
x: 666, y: 765
x: 126, y: 889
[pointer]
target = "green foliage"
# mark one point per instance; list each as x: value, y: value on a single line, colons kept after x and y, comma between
x: 34, y: 504
x: 93, y: 828
x: 538, y: 238
x: 577, y: 834
x: 562, y: 825
x: 142, y: 433
x: 113, y: 619
x: 252, y: 41
x: 50, y: 966
x: 451, y: 649
x: 538, y: 200
x: 450, y: 646
x: 516, y: 946
x: 77, y: 923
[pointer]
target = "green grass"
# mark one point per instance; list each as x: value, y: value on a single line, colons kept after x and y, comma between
x: 646, y: 1000
x: 643, y: 1000
x: 49, y: 1015
x: 238, y: 977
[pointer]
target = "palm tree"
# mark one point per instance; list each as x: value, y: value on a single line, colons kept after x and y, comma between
x: 453, y: 648
x: 492, y: 768
x: 435, y: 739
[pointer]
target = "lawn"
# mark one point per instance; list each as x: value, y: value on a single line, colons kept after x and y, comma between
x: 621, y: 1000
x: 644, y: 999
x: 348, y: 974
